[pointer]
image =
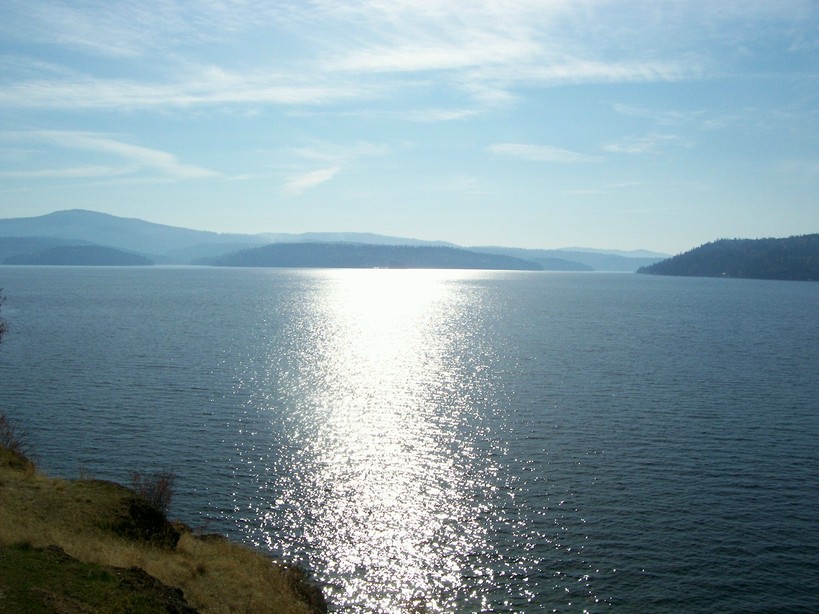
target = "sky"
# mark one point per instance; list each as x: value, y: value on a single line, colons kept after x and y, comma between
x: 620, y: 124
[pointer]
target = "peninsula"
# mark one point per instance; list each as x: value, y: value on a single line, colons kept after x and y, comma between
x: 792, y: 258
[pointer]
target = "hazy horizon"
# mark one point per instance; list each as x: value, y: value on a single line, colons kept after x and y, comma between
x: 311, y: 234
x: 616, y: 125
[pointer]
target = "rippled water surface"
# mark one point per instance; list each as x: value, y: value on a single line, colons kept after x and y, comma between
x: 448, y: 441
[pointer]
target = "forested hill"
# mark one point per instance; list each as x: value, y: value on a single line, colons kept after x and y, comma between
x: 356, y: 255
x: 794, y: 258
x: 81, y: 255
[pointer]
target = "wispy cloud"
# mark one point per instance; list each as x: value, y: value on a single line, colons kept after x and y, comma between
x: 539, y: 153
x: 664, y: 117
x: 323, y: 151
x: 583, y: 192
x: 131, y: 29
x: 137, y: 159
x: 490, y: 50
x: 427, y: 55
x: 439, y: 115
x: 333, y: 159
x: 296, y: 186
x: 415, y: 115
x: 648, y: 144
x: 358, y: 50
x: 211, y: 87
x: 570, y: 70
x: 76, y: 172
x: 608, y: 188
x: 487, y: 51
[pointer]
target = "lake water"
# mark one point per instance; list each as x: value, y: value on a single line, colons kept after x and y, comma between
x: 448, y: 441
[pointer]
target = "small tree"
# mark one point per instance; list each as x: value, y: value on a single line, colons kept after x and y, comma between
x: 155, y: 488
x: 3, y: 324
x: 10, y: 437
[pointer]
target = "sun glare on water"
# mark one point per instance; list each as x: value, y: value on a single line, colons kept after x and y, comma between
x: 374, y: 480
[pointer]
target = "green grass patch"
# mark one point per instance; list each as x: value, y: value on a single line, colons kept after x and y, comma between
x: 47, y: 580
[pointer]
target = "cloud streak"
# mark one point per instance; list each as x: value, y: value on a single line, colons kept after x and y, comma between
x: 138, y: 159
x: 77, y: 172
x: 648, y: 144
x: 213, y: 88
x: 333, y: 159
x: 296, y: 186
x: 540, y: 153
x: 663, y: 117
x: 360, y: 50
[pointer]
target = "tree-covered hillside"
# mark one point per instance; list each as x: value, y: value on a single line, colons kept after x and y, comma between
x: 81, y: 255
x: 794, y: 258
x: 356, y: 255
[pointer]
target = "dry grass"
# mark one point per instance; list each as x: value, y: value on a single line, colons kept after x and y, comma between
x: 215, y: 575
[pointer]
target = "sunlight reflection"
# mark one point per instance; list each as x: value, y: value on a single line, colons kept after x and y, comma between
x: 394, y: 503
x: 386, y: 472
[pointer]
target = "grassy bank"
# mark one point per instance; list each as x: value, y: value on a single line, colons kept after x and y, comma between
x: 94, y: 546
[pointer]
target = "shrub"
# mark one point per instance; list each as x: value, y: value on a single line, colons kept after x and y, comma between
x: 12, y: 445
x: 155, y: 488
x: 4, y: 326
x: 10, y: 437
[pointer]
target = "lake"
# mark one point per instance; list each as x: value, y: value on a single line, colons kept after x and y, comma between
x: 448, y: 441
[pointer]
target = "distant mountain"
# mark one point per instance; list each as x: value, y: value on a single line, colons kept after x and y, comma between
x: 794, y: 258
x: 122, y: 233
x: 365, y: 238
x: 81, y: 255
x: 565, y: 260
x: 559, y: 264
x: 608, y: 262
x: 22, y: 237
x: 357, y: 255
x: 634, y: 253
x: 158, y: 242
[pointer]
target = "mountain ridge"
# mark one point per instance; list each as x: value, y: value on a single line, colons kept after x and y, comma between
x: 131, y: 234
x: 359, y: 255
x: 26, y: 237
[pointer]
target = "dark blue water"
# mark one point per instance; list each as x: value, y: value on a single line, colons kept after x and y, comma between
x: 448, y: 441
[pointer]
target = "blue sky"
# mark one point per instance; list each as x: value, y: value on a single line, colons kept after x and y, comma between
x: 530, y: 123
